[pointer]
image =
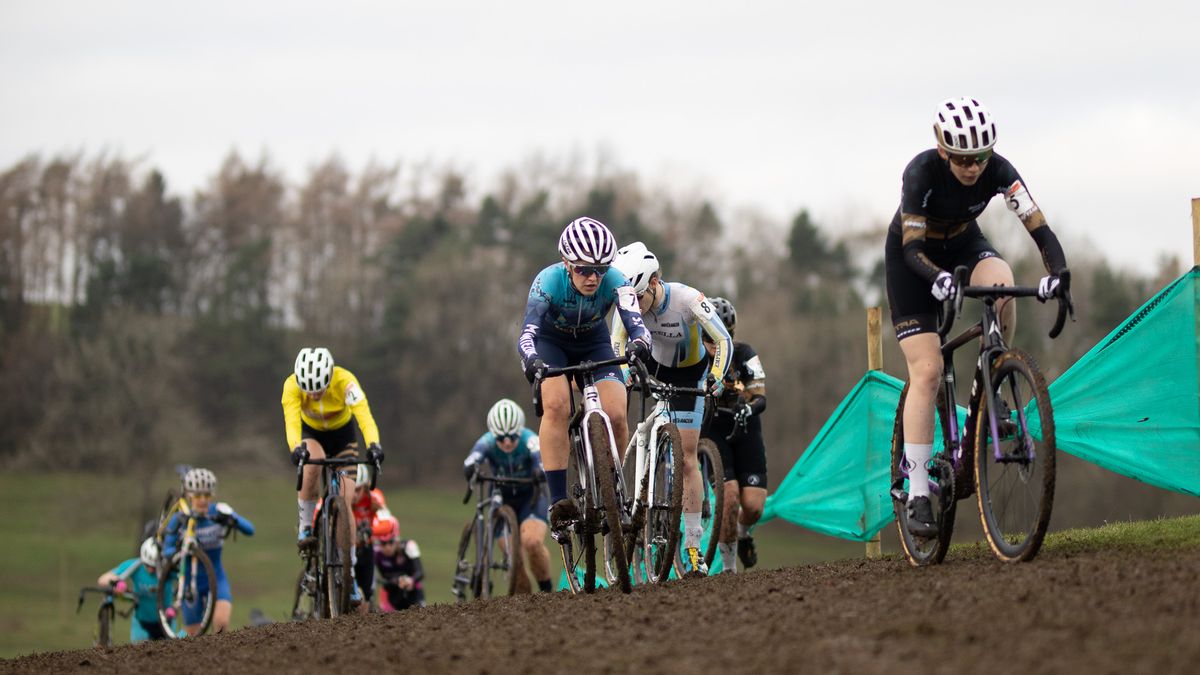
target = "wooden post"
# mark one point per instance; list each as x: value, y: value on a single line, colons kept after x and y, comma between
x: 1196, y: 230
x: 875, y: 362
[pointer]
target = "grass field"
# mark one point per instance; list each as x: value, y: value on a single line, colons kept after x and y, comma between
x: 62, y: 531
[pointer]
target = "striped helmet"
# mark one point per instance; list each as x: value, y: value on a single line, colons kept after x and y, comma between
x: 964, y: 126
x: 505, y: 417
x: 314, y: 369
x: 638, y: 264
x: 200, y: 480
x: 587, y: 241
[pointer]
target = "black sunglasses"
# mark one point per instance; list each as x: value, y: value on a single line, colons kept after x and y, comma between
x: 508, y: 437
x: 965, y: 161
x: 588, y: 270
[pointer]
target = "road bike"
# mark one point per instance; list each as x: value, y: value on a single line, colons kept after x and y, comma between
x: 653, y: 465
x: 1011, y: 456
x: 324, y: 586
x: 489, y: 551
x: 108, y: 612
x: 598, y: 488
x: 181, y: 575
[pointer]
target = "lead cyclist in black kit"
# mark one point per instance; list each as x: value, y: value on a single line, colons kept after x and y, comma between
x: 934, y: 230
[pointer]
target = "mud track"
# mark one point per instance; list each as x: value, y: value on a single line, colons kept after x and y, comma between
x: 1099, y: 611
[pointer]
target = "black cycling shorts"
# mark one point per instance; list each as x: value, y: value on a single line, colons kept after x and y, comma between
x: 914, y: 309
x: 744, y: 455
x: 340, y: 442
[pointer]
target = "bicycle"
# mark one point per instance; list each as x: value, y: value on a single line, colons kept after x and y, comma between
x: 178, y: 576
x: 1013, y: 472
x: 106, y: 615
x: 599, y: 488
x: 496, y: 534
x: 324, y: 586
x: 712, y: 502
x: 653, y: 462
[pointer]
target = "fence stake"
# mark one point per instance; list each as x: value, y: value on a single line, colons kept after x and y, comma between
x: 875, y: 362
x: 1196, y: 230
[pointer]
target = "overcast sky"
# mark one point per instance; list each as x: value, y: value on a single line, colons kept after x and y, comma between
x: 773, y: 106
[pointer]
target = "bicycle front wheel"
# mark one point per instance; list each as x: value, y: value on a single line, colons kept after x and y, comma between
x: 306, y: 601
x: 606, y: 483
x: 466, y: 578
x: 104, y: 626
x: 662, y: 522
x: 180, y: 596
x: 336, y: 558
x: 1014, y: 471
x: 503, y: 555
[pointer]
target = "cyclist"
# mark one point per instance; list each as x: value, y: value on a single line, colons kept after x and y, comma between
x: 564, y: 325
x: 324, y: 409
x: 213, y: 522
x: 139, y: 577
x: 676, y: 315
x: 512, y: 451
x: 400, y: 570
x: 739, y: 437
x: 934, y: 230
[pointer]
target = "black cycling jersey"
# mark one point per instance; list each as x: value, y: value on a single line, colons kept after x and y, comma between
x: 744, y: 368
x: 743, y: 453
x: 930, y: 190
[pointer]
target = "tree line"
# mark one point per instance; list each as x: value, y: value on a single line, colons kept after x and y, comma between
x: 140, y: 327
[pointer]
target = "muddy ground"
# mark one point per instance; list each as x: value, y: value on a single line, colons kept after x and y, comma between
x: 1094, y: 611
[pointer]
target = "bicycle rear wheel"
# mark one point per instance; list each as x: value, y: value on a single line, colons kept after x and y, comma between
x: 336, y: 557
x: 1015, y: 474
x: 662, y: 531
x: 179, y: 587
x: 921, y: 551
x: 712, y: 505
x: 606, y: 483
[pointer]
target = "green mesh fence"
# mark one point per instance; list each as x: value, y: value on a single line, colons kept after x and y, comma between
x: 1131, y: 405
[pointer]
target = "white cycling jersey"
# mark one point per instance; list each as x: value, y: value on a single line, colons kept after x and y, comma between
x: 676, y: 323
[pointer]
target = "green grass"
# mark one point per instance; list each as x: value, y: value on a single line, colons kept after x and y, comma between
x: 62, y: 531
x: 1164, y: 534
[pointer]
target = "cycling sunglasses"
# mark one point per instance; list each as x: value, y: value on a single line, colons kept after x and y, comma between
x: 965, y: 161
x: 589, y: 270
x: 508, y: 437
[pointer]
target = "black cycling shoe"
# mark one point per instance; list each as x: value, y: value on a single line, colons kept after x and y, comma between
x: 920, y: 517
x: 746, y: 551
x: 563, y: 513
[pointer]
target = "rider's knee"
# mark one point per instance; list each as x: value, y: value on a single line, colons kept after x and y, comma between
x: 925, y: 374
x: 752, y: 512
x: 556, y: 409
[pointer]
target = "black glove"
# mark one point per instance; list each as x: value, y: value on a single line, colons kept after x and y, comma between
x: 743, y: 414
x: 375, y: 454
x: 639, y: 350
x: 224, y: 514
x: 299, y: 454
x: 533, y: 367
x: 469, y: 470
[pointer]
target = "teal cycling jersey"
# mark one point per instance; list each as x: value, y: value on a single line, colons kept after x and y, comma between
x: 143, y: 584
x: 556, y: 310
x: 525, y: 461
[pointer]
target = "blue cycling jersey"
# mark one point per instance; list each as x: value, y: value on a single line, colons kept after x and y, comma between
x: 555, y: 309
x: 210, y: 534
x: 525, y: 461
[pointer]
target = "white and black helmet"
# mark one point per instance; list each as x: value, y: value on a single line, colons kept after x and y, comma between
x: 149, y: 552
x: 726, y: 311
x: 638, y: 264
x: 964, y: 126
x: 505, y: 417
x: 200, y: 480
x: 587, y: 241
x: 314, y: 369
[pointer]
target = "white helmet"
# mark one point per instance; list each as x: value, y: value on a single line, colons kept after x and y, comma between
x: 964, y: 126
x: 587, y: 241
x: 314, y: 369
x: 200, y: 480
x: 638, y: 264
x: 149, y: 553
x: 505, y: 417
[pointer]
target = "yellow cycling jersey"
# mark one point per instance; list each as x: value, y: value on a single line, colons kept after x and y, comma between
x: 343, y: 397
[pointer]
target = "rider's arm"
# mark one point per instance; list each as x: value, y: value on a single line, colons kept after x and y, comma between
x: 171, y: 535
x: 757, y: 386
x: 1021, y: 203
x: 356, y: 400
x: 291, y: 411
x: 414, y: 554
x: 242, y: 524
x: 631, y: 314
x: 534, y: 443
x: 912, y: 228
x: 477, y: 454
x: 536, y: 307
x: 707, y: 317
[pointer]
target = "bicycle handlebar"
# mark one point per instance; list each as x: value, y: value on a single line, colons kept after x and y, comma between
x: 498, y: 480
x: 952, y: 306
x: 336, y: 461
x: 581, y: 367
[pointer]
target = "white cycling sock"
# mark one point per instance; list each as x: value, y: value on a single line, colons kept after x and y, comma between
x: 743, y: 531
x: 728, y: 556
x: 307, y: 510
x: 916, y: 457
x: 692, y: 530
